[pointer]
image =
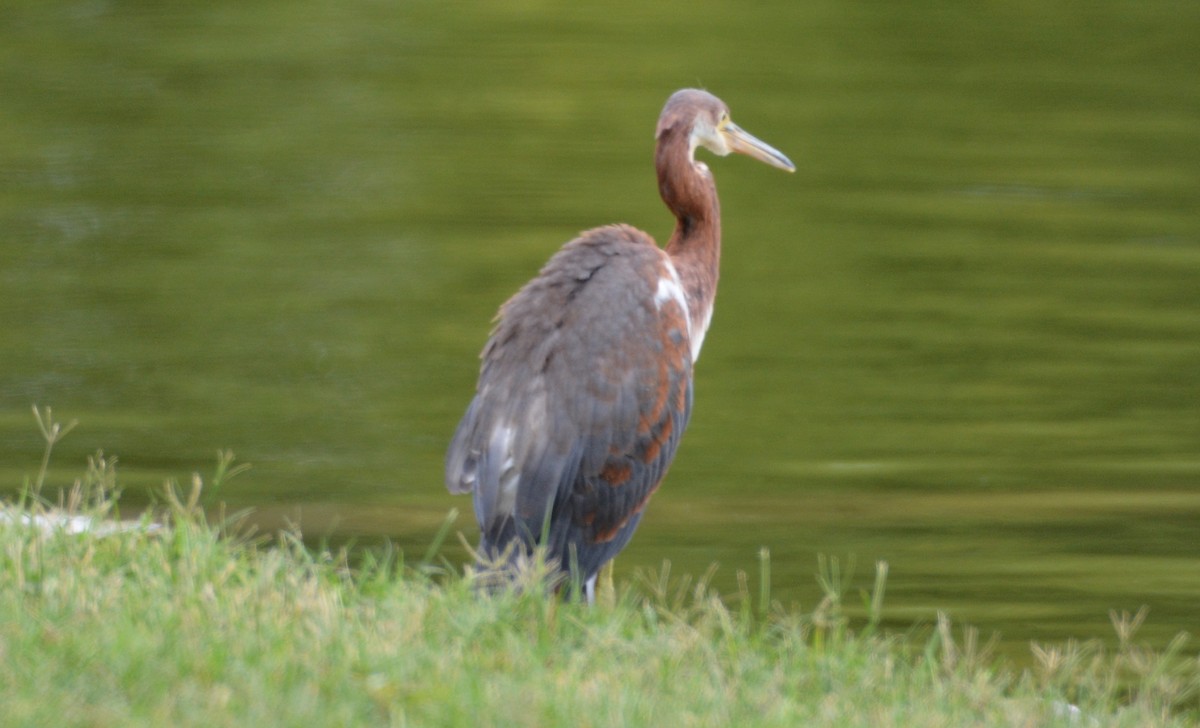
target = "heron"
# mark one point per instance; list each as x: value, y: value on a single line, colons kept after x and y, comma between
x: 585, y: 383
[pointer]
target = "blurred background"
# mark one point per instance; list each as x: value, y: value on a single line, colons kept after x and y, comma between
x: 963, y: 338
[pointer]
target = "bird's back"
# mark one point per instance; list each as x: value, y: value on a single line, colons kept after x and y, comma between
x: 583, y: 395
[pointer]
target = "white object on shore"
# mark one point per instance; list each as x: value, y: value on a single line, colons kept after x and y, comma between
x: 52, y: 521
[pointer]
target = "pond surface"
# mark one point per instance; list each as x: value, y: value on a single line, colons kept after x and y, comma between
x: 963, y: 338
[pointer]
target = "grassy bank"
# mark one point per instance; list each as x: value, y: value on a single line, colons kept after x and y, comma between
x: 191, y: 624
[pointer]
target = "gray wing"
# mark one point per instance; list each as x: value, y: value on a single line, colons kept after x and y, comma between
x: 583, y: 395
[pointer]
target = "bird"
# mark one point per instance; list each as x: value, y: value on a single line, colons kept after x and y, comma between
x: 585, y: 382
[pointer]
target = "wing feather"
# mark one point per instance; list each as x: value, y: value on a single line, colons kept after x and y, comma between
x: 583, y: 395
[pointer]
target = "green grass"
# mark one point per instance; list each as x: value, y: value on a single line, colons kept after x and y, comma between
x: 194, y: 624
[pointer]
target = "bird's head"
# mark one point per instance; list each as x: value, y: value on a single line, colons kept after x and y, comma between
x: 705, y: 119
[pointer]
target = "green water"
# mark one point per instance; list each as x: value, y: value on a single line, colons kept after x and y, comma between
x: 963, y: 338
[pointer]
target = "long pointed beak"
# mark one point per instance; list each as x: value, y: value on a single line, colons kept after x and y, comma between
x: 743, y: 142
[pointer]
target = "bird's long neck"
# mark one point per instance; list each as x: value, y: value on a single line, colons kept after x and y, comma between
x: 688, y: 190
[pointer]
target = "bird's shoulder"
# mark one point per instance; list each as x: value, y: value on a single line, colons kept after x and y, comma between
x: 611, y: 247
x: 610, y: 262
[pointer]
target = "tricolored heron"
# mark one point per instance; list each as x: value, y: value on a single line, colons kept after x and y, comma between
x: 586, y: 382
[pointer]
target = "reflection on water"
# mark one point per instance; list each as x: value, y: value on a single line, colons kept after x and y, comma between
x: 963, y: 338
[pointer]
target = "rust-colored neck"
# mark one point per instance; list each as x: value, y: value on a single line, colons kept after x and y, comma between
x: 688, y: 190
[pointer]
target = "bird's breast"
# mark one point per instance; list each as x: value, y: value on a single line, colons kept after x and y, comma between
x: 670, y: 293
